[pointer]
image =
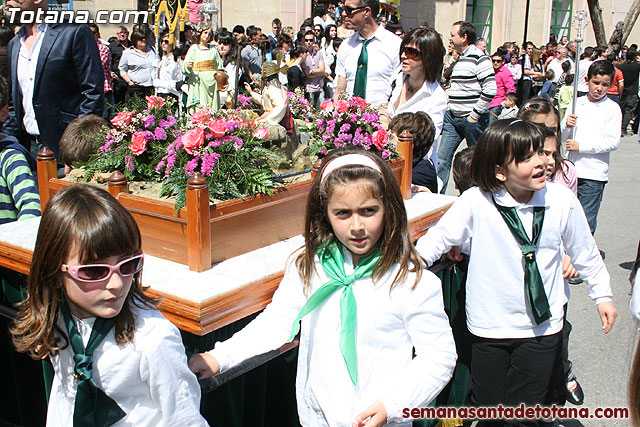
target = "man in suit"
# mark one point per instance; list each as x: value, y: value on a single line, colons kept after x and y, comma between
x: 56, y: 76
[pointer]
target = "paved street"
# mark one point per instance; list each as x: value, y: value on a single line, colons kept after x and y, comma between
x: 603, y: 362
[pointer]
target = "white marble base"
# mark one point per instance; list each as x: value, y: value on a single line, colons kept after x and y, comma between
x: 177, y: 280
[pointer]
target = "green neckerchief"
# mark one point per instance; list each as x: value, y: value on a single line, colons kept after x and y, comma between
x: 93, y: 408
x: 332, y: 262
x: 360, y: 84
x: 534, y: 288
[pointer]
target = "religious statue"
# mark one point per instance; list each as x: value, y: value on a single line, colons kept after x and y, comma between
x: 201, y: 65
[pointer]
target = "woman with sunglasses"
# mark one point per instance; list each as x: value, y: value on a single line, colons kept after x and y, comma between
x: 169, y: 72
x: 416, y: 87
x: 504, y: 85
x: 115, y: 357
x: 136, y: 67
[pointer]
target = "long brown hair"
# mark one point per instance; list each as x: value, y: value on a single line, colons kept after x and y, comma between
x: 90, y: 219
x: 395, y: 241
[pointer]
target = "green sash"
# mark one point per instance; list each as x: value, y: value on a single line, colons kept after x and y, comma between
x: 333, y: 265
x: 360, y: 84
x: 534, y: 288
x: 93, y: 408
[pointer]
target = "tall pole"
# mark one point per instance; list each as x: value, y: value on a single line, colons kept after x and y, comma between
x: 580, y: 21
x: 526, y: 23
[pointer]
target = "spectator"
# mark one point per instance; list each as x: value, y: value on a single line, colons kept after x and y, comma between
x: 276, y: 27
x: 169, y: 72
x: 504, y: 85
x: 228, y: 50
x: 105, y: 60
x: 314, y: 71
x: 251, y: 54
x: 49, y: 91
x: 555, y: 64
x: 416, y: 87
x: 6, y: 34
x: 547, y: 89
x: 136, y: 67
x: 617, y: 87
x: 528, y: 73
x: 368, y: 60
x: 295, y: 75
x: 629, y: 100
x: 473, y: 86
x: 514, y: 67
x: 585, y: 62
x: 116, y: 48
x: 482, y: 45
x: 237, y: 30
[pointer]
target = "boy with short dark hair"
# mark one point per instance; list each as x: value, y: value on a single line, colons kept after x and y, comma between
x: 509, y: 107
x: 462, y: 169
x: 19, y: 198
x: 422, y: 129
x: 597, y: 120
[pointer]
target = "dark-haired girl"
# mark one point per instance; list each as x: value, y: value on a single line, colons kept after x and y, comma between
x: 518, y: 224
x: 364, y: 300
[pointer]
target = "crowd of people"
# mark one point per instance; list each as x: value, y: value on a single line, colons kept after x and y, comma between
x: 531, y: 181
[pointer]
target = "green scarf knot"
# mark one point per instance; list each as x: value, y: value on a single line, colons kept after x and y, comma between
x: 332, y: 262
x: 534, y: 287
x: 93, y: 408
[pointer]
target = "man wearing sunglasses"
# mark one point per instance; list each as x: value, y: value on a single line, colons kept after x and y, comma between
x: 313, y: 68
x: 473, y: 86
x: 367, y: 61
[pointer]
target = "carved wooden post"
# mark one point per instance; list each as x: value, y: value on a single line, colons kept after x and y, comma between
x: 405, y: 149
x: 47, y: 169
x: 198, y: 223
x: 117, y: 184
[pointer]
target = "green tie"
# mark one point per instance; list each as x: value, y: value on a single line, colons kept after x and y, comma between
x: 360, y: 86
x: 333, y: 265
x: 534, y: 287
x: 93, y: 408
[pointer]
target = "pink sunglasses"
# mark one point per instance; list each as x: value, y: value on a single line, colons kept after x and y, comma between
x: 98, y: 272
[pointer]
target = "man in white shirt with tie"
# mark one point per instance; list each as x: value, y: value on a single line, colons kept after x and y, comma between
x: 367, y: 61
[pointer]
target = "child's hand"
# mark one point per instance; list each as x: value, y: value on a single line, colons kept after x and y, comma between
x: 568, y: 270
x: 572, y: 145
x: 204, y: 365
x: 571, y: 120
x: 419, y: 189
x: 454, y: 253
x: 374, y: 416
x: 608, y: 314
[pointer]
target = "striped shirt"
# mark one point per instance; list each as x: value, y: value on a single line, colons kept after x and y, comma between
x: 19, y: 198
x: 473, y: 84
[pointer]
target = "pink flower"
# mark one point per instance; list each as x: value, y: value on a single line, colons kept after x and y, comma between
x: 200, y: 116
x: 154, y: 102
x: 138, y: 143
x: 218, y: 128
x: 193, y: 139
x: 380, y: 138
x: 122, y: 119
x: 327, y: 105
x: 342, y: 106
x: 261, y: 133
x: 361, y: 102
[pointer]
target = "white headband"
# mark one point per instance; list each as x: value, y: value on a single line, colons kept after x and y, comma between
x: 347, y: 160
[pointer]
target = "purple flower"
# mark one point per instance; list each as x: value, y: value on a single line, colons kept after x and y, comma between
x: 191, y: 166
x: 171, y: 120
x: 160, y: 134
x: 209, y: 160
x: 160, y: 166
x: 107, y: 144
x: 129, y: 163
x: 345, y: 127
x: 163, y: 124
x: 149, y: 121
x: 385, y: 154
x: 148, y: 135
x: 331, y: 125
x: 323, y: 150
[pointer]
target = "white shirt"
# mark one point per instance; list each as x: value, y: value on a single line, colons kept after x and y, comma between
x: 148, y: 378
x: 389, y: 325
x: 598, y: 134
x: 516, y: 70
x: 582, y: 75
x: 431, y: 99
x: 556, y: 65
x: 169, y: 74
x: 496, y: 304
x: 382, y: 65
x: 27, y: 64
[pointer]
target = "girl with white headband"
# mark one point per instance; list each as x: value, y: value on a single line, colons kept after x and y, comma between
x: 362, y: 299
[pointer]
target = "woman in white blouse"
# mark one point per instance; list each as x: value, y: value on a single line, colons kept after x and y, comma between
x: 228, y: 49
x: 136, y: 66
x: 416, y: 87
x: 168, y: 70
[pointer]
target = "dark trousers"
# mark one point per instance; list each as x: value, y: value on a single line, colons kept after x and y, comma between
x: 512, y: 371
x: 524, y: 91
x: 139, y: 91
x: 628, y: 105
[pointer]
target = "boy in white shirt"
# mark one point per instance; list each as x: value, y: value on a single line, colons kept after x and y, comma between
x: 596, y: 120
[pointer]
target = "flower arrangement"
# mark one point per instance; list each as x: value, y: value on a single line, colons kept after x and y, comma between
x: 349, y: 122
x: 300, y: 107
x: 226, y: 149
x: 139, y: 137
